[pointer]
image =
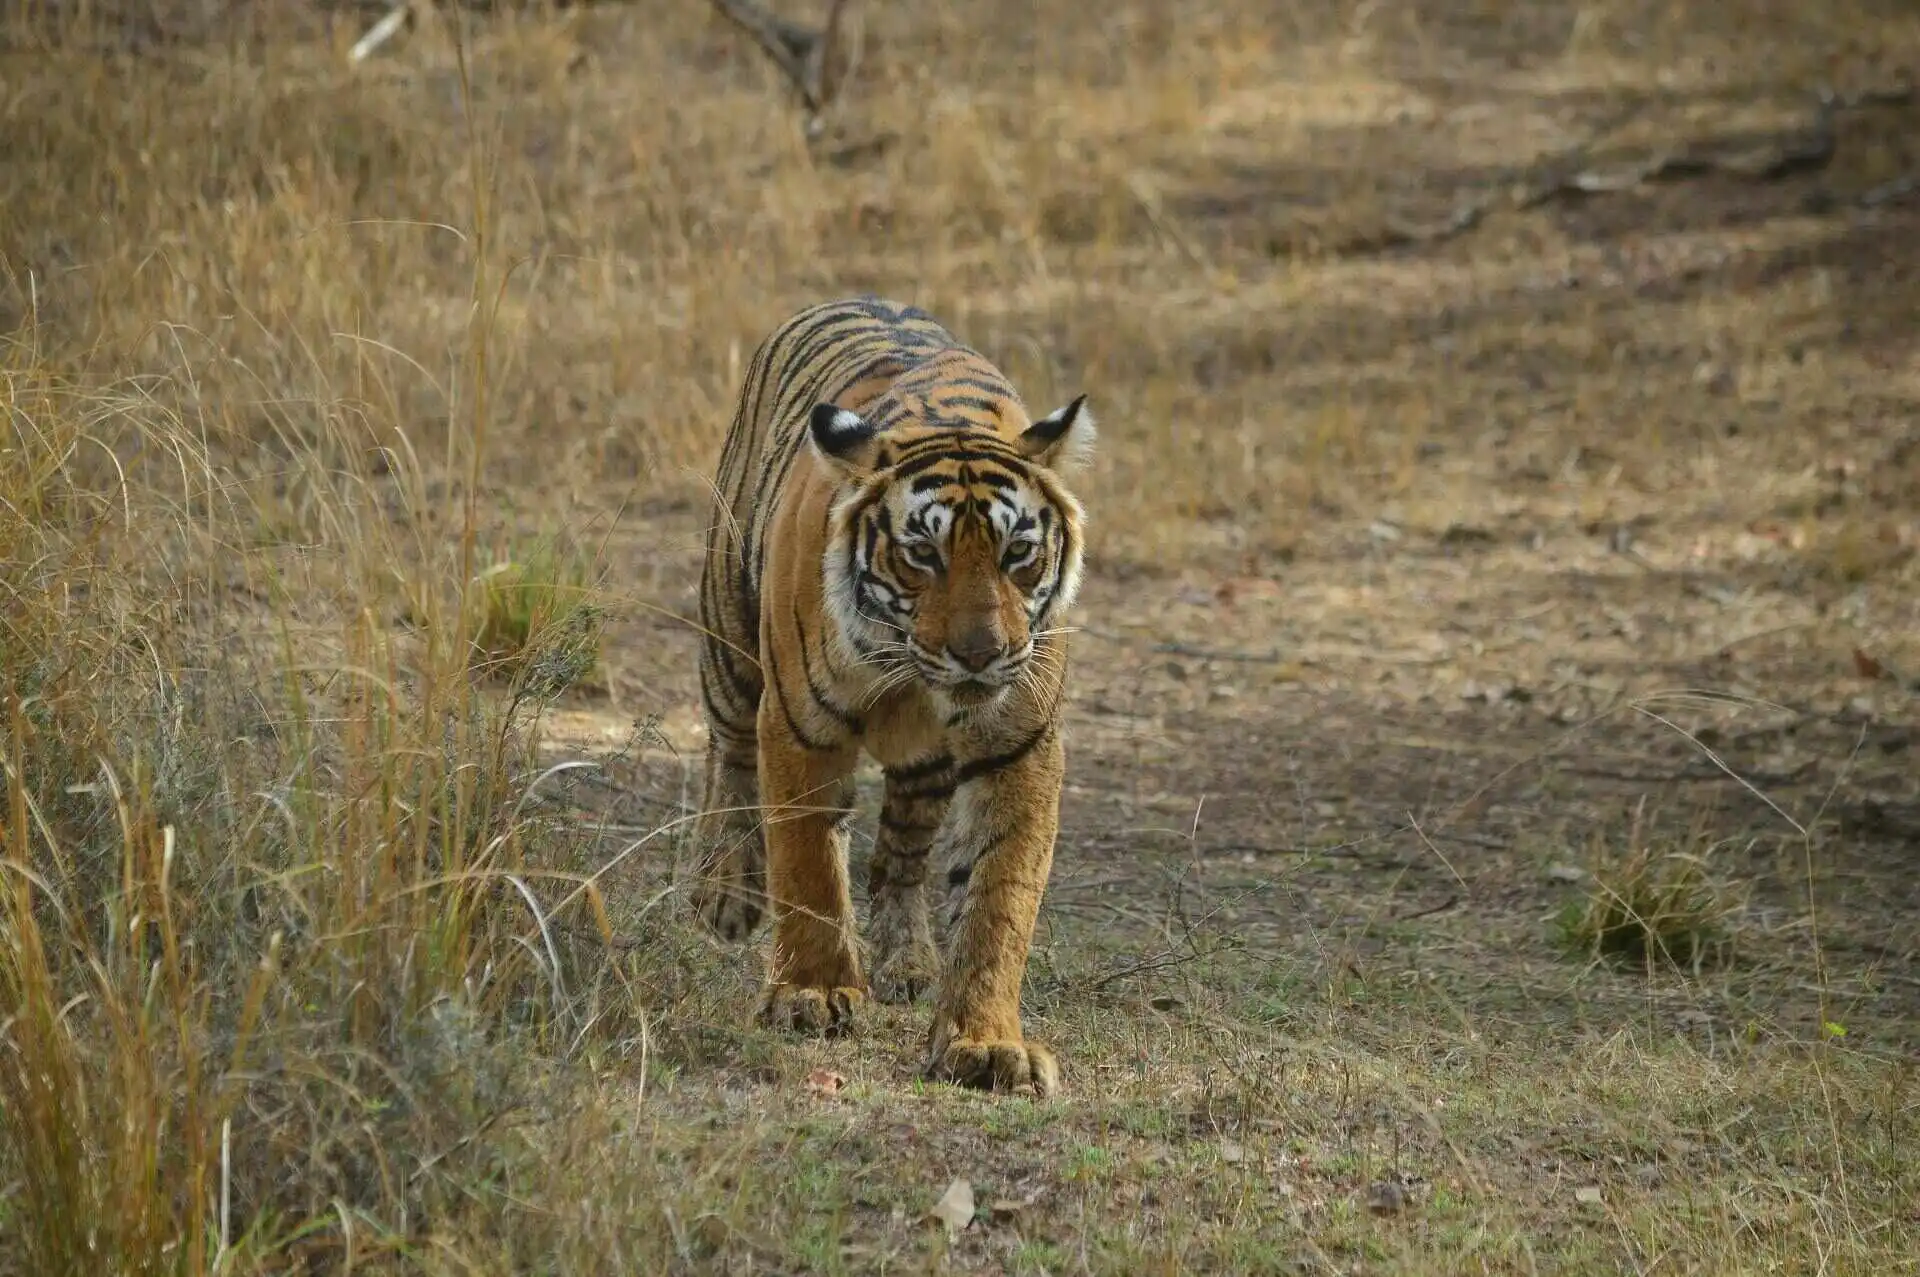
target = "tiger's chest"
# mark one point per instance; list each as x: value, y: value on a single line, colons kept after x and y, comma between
x: 905, y: 726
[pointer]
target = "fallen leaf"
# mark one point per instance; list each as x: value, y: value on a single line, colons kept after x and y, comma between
x: 1867, y: 666
x: 955, y: 1207
x: 1589, y: 1195
x: 1234, y: 589
x: 825, y: 1082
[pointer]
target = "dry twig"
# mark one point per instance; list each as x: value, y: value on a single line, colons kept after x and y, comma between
x: 815, y: 62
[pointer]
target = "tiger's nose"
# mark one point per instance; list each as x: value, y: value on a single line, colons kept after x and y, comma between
x: 974, y: 652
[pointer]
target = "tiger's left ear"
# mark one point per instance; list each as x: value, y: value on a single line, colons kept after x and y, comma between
x: 1062, y: 440
x: 845, y: 440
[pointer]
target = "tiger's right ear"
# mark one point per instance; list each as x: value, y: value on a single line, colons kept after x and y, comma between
x: 845, y: 440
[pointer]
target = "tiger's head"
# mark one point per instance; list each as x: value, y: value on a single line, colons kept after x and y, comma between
x: 952, y: 551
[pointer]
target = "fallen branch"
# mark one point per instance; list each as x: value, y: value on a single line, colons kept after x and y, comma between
x: 1429, y: 911
x: 1891, y: 192
x: 1694, y: 775
x: 380, y: 32
x: 816, y: 63
x: 1571, y: 177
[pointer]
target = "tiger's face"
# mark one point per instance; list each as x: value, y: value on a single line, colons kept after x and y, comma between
x: 953, y: 552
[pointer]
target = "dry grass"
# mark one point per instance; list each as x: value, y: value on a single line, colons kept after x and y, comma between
x: 536, y: 625
x: 1652, y: 905
x: 316, y: 954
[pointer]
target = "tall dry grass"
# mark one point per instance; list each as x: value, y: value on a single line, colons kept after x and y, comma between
x: 284, y: 930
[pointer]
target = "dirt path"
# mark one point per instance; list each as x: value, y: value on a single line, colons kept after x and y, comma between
x: 1406, y: 752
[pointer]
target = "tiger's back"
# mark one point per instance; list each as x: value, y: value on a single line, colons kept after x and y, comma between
x: 844, y: 352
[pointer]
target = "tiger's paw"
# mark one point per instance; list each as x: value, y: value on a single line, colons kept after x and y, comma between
x: 1013, y: 1067
x: 904, y: 974
x: 726, y: 906
x: 826, y: 1011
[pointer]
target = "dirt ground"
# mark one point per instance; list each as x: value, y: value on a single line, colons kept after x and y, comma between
x: 1604, y: 504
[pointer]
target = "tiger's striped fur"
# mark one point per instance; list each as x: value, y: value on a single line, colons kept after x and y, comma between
x: 890, y: 564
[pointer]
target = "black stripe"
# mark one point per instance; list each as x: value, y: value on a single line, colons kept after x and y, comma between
x: 988, y: 386
x: 911, y: 772
x: 974, y: 769
x: 917, y: 461
x: 979, y: 403
x: 738, y: 703
x: 888, y: 364
x: 960, y: 875
x: 722, y: 655
x: 822, y: 697
x: 930, y: 793
x: 984, y: 441
x: 786, y: 712
x: 715, y: 715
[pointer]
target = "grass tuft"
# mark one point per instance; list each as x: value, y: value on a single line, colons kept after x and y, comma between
x: 1651, y: 903
x: 537, y: 626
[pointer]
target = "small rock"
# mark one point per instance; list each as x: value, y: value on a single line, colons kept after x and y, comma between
x: 1715, y: 377
x: 1232, y: 1153
x: 955, y: 1207
x: 1566, y: 873
x: 1589, y: 1195
x: 1386, y: 1197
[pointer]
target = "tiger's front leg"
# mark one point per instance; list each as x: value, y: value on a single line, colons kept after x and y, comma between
x: 906, y: 962
x: 998, y: 841
x: 814, y: 983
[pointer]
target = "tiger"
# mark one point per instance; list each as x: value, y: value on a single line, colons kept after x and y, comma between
x: 891, y: 561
